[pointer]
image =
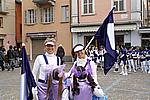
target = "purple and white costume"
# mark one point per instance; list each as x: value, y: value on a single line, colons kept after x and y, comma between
x: 44, y: 69
x: 85, y: 91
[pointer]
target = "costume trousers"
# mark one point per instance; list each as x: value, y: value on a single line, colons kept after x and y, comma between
x: 85, y: 92
x: 42, y: 91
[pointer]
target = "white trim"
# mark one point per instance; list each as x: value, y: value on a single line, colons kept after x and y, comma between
x: 93, y: 6
x: 125, y: 5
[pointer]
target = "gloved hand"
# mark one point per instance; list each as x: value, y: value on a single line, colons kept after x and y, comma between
x: 98, y: 91
x: 34, y: 90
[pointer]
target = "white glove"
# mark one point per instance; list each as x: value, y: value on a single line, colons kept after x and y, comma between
x: 34, y: 90
x: 98, y: 91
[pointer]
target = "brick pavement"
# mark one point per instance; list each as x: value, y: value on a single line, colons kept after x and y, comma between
x: 135, y: 86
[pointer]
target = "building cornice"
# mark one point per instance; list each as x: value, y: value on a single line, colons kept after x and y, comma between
x: 98, y: 24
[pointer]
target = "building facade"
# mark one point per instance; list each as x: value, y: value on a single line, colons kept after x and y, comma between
x: 46, y: 18
x: 145, y: 26
x: 88, y: 15
x: 7, y: 23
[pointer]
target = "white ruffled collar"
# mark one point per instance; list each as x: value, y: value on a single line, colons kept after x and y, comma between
x: 81, y: 62
x: 50, y: 55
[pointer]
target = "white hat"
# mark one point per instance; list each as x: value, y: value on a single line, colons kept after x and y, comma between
x: 60, y: 45
x: 78, y: 48
x: 50, y: 42
x: 23, y: 44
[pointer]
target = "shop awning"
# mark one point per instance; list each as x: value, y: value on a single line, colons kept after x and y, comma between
x: 125, y: 27
x: 84, y: 29
x: 144, y: 31
x: 95, y: 28
x: 41, y: 34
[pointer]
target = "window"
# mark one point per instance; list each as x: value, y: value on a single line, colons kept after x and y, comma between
x: 3, y: 7
x: 65, y: 13
x: 88, y: 7
x: 47, y: 15
x: 30, y: 16
x: 119, y: 5
x: 1, y: 22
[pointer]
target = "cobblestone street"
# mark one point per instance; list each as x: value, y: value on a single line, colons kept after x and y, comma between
x: 135, y: 86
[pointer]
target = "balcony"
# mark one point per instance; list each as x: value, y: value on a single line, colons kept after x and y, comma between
x: 43, y: 2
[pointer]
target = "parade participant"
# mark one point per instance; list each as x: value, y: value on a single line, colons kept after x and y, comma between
x: 60, y: 53
x: 117, y: 59
x: 84, y: 73
x: 11, y: 57
x: 101, y: 54
x: 135, y: 55
x: 147, y: 67
x: 142, y: 59
x: 130, y: 59
x: 123, y: 62
x: 95, y: 52
x: 2, y: 59
x: 45, y: 65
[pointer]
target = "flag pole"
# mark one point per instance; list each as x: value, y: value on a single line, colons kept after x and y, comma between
x: 89, y: 42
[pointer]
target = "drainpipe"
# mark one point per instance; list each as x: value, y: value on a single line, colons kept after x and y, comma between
x: 78, y: 10
x: 147, y: 14
x: 70, y: 3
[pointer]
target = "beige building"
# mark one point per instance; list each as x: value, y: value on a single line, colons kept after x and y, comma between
x: 46, y: 18
x: 127, y: 20
x: 7, y: 23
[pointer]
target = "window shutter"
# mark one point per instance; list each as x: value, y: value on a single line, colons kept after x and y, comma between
x: 35, y: 16
x: 41, y: 15
x: 25, y: 17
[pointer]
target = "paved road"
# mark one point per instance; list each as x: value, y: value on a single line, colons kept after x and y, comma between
x: 135, y: 86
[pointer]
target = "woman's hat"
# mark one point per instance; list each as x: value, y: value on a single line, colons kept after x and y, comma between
x: 78, y: 47
x: 50, y: 41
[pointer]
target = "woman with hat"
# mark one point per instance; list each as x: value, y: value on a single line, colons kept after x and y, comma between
x: 44, y: 65
x: 84, y: 72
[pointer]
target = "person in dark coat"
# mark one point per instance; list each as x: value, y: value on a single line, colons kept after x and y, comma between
x: 60, y: 53
x: 11, y: 57
x: 1, y: 59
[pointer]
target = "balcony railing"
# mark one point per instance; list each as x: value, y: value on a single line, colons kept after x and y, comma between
x: 41, y: 2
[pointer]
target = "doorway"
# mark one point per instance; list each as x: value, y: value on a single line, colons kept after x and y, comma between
x: 119, y: 39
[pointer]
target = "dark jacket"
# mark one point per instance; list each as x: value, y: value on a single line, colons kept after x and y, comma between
x: 60, y: 52
x: 1, y: 56
x: 10, y: 54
